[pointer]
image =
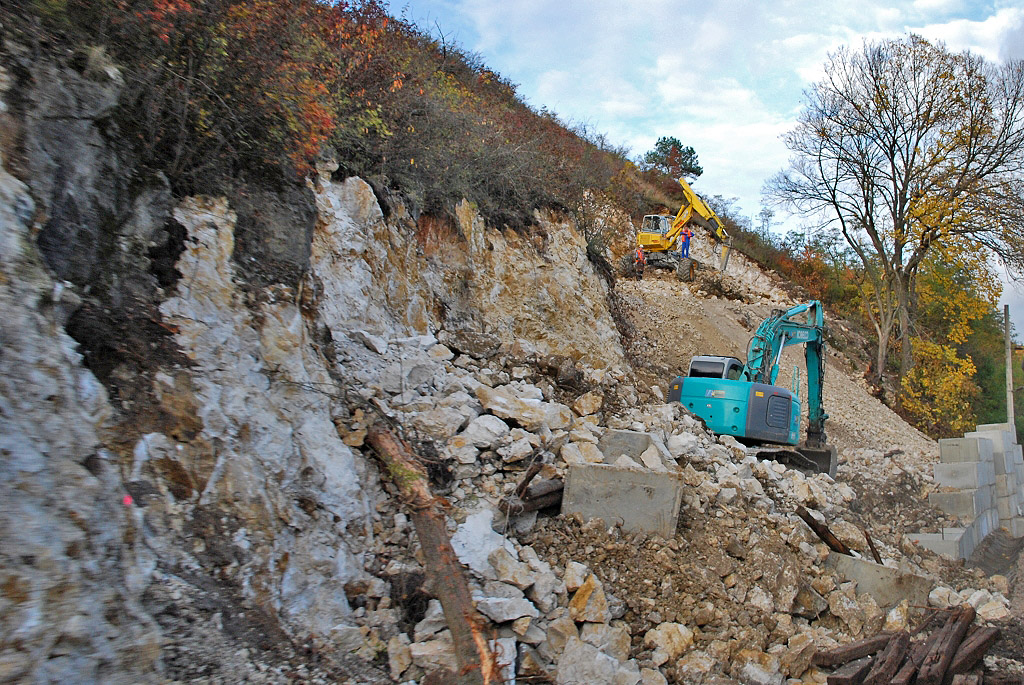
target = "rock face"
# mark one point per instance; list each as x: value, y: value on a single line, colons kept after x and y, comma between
x: 395, y: 279
x: 218, y: 326
x: 72, y: 575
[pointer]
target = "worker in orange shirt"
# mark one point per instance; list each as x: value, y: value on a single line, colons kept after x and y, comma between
x: 684, y: 249
x: 639, y: 261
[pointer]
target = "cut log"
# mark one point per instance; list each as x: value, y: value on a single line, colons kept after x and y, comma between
x: 477, y: 664
x: 543, y: 487
x: 822, y: 531
x: 852, y: 673
x: 889, y: 661
x: 972, y: 649
x: 918, y: 652
x: 854, y: 650
x: 935, y: 665
x: 513, y: 506
x: 534, y: 469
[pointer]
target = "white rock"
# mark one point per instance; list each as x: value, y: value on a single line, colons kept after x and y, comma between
x: 693, y: 666
x: 993, y: 610
x: 584, y: 663
x: 399, y: 655
x: 509, y: 569
x: 651, y: 458
x: 461, y: 450
x: 575, y: 575
x: 501, y: 609
x: 474, y: 540
x: 517, y: 451
x: 485, y: 431
x: 650, y: 676
x: 977, y: 598
x: 759, y: 599
x: 433, y: 622
x: 612, y: 640
x: 434, y: 654
x: 668, y: 641
x: 544, y: 591
x: 373, y: 342
x: 440, y: 423
x: 504, y: 649
x: 588, y: 403
x: 624, y: 462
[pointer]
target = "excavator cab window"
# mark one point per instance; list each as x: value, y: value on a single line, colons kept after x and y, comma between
x: 654, y: 223
x: 700, y: 368
x: 716, y: 367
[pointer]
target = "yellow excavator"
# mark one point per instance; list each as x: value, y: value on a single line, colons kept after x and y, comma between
x: 659, y: 235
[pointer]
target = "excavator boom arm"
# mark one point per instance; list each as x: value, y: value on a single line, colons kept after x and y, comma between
x: 801, y: 325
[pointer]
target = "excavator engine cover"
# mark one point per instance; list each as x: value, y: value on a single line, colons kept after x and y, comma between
x: 757, y: 411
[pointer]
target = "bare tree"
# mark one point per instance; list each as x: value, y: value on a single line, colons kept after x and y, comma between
x: 908, y: 148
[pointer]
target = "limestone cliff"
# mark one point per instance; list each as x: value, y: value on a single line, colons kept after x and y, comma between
x: 220, y: 338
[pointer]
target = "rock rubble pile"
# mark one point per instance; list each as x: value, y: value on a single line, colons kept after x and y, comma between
x: 740, y: 593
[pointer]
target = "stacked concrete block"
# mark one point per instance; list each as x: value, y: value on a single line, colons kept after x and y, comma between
x: 977, y: 482
x: 965, y: 465
x: 1008, y: 465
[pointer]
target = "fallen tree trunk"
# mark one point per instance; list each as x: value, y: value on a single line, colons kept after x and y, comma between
x: 477, y: 664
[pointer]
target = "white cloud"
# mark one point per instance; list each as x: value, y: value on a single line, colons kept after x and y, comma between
x: 995, y: 38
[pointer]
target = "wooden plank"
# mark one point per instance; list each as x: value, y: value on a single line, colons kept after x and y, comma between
x: 935, y: 665
x: 854, y: 650
x: 889, y: 661
x: 972, y: 649
x: 918, y: 652
x: 852, y: 673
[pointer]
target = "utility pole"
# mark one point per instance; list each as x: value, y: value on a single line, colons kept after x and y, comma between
x: 1010, y: 418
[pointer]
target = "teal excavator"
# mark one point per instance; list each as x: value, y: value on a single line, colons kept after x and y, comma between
x: 742, y: 400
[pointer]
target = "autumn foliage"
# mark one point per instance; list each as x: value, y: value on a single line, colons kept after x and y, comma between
x: 219, y: 92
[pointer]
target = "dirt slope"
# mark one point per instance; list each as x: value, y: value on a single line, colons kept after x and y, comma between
x: 675, y: 320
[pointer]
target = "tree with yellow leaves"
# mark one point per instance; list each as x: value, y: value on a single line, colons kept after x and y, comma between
x: 906, y: 148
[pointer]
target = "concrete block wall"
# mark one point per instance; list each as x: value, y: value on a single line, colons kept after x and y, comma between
x: 982, y: 476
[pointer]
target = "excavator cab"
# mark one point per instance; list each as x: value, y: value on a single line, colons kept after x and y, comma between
x: 656, y: 223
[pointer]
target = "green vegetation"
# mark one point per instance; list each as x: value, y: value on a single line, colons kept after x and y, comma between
x: 226, y: 91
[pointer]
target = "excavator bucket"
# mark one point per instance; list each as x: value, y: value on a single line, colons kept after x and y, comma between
x: 825, y: 459
x: 810, y: 460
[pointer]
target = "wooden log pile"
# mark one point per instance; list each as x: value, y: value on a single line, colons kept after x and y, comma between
x: 946, y: 656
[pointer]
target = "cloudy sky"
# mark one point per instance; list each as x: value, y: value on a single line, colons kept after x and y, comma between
x: 725, y: 76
